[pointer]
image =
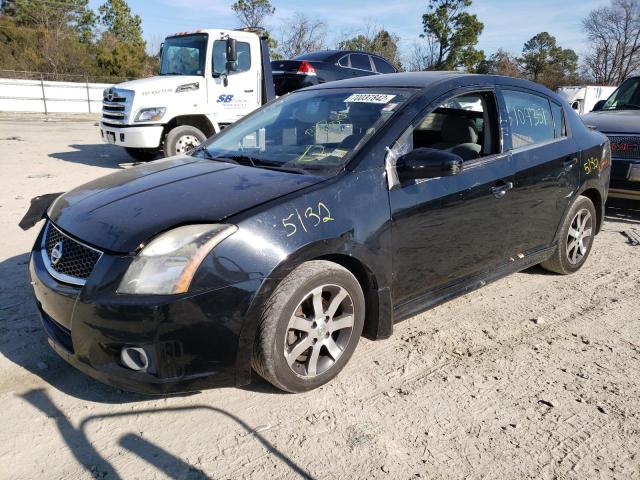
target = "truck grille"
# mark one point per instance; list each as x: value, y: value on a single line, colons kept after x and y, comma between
x: 116, y: 105
x: 626, y: 147
x: 67, y: 259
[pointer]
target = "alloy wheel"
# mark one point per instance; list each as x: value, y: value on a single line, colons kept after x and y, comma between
x: 186, y: 143
x: 319, y: 330
x: 579, y: 236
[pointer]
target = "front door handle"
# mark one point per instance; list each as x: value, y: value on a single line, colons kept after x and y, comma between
x: 501, y: 189
x: 248, y: 91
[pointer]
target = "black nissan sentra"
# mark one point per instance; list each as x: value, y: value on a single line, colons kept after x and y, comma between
x: 328, y: 214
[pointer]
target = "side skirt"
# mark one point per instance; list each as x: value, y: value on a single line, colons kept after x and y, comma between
x: 443, y: 294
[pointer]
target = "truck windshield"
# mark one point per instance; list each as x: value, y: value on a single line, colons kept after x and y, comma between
x: 316, y: 131
x: 184, y: 55
x: 626, y: 97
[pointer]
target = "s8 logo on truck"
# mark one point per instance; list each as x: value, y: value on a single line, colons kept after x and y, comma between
x: 225, y: 99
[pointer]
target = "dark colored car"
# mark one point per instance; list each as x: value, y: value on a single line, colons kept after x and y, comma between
x: 326, y: 66
x: 328, y: 214
x: 619, y: 119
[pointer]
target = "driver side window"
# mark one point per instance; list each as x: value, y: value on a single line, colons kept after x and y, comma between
x: 219, y: 59
x: 465, y: 125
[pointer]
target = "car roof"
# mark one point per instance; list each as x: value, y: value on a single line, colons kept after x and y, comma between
x: 429, y: 79
x: 331, y: 54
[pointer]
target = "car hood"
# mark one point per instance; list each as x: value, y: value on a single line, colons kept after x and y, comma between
x: 120, y: 211
x: 620, y: 121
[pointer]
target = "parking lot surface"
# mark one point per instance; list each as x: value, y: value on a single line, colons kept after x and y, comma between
x: 534, y: 376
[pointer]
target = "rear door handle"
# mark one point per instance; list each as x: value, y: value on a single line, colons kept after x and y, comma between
x: 501, y: 190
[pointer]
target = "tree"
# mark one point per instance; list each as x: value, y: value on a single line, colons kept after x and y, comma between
x: 451, y: 34
x: 38, y: 36
x: 121, y: 50
x: 545, y: 62
x: 500, y: 63
x: 252, y: 13
x: 374, y: 40
x: 614, y: 36
x: 302, y: 35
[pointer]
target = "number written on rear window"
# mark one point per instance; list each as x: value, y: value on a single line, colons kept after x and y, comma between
x: 530, y: 118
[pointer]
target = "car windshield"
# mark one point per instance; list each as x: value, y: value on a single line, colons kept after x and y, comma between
x: 626, y: 97
x: 315, y: 131
x: 184, y: 55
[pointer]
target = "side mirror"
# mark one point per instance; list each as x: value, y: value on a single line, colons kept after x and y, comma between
x: 232, y: 50
x: 598, y: 106
x: 428, y: 163
x: 231, y: 66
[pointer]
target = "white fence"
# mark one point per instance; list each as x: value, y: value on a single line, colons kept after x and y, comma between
x: 45, y: 96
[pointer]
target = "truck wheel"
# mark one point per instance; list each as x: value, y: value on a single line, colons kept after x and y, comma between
x: 182, y: 140
x: 309, y: 327
x: 142, y: 154
x: 575, y: 239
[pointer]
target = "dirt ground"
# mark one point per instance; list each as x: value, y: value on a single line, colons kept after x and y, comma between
x: 534, y: 376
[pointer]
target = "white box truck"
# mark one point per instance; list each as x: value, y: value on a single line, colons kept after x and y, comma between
x: 583, y: 99
x: 208, y: 79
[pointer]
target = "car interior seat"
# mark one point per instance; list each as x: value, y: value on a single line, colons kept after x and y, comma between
x: 459, y: 136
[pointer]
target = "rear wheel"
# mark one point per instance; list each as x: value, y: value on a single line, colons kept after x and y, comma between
x: 182, y: 140
x: 142, y: 154
x: 309, y: 327
x: 575, y: 239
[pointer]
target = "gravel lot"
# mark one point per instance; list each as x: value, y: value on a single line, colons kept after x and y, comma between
x: 534, y: 376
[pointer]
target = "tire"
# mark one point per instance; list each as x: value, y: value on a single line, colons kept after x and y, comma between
x: 182, y: 139
x: 287, y: 344
x: 142, y: 154
x: 574, y: 241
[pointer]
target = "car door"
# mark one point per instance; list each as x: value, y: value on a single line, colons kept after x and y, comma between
x: 448, y: 229
x: 241, y: 94
x: 546, y: 160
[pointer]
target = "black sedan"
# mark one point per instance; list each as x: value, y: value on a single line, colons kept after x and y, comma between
x: 328, y: 214
x: 326, y: 66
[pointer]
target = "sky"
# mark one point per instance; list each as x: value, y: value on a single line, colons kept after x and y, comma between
x: 507, y: 23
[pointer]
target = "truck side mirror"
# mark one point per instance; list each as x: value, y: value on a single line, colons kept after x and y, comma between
x: 231, y: 66
x: 598, y: 106
x: 232, y: 50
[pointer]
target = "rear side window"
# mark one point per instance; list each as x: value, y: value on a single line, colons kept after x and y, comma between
x: 344, y: 61
x: 360, y: 61
x: 220, y: 57
x: 382, y: 66
x: 559, y: 126
x: 530, y: 118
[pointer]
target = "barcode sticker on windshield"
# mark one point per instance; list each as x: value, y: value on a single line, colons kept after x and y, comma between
x: 369, y: 98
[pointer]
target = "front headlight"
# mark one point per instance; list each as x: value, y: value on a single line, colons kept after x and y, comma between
x: 168, y: 263
x: 150, y: 114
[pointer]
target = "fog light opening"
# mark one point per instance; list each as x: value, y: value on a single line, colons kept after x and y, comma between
x: 134, y: 358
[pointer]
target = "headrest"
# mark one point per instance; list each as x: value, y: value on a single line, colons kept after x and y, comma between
x: 457, y: 129
x: 312, y: 112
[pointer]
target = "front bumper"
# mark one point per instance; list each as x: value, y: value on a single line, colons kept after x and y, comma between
x: 148, y: 136
x: 625, y: 179
x: 191, y: 340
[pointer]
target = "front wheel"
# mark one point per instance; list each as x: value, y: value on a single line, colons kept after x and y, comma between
x: 575, y: 239
x: 181, y: 140
x: 309, y: 327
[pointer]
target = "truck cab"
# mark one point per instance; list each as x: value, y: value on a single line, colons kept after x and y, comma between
x: 208, y: 79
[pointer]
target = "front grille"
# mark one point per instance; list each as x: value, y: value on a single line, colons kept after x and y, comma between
x: 116, y: 105
x: 72, y: 261
x: 626, y: 147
